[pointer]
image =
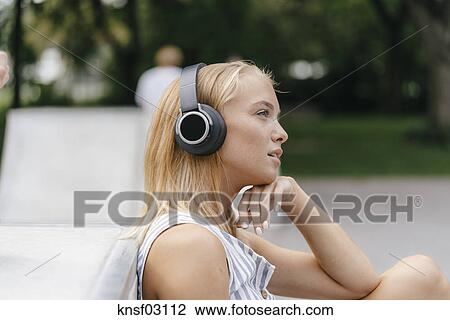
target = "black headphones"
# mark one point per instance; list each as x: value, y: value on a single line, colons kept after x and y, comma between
x: 200, y: 129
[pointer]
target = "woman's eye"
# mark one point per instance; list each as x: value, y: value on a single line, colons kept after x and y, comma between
x: 264, y: 112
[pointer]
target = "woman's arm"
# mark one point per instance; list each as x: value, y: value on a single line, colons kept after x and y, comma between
x: 297, y: 274
x: 187, y: 262
x: 335, y: 252
x: 336, y: 269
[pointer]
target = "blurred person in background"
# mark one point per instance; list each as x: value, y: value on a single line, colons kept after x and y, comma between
x: 4, y: 69
x: 234, y: 57
x: 154, y: 81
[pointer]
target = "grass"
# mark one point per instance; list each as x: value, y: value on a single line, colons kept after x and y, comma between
x: 359, y: 146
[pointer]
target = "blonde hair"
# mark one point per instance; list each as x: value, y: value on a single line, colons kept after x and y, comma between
x: 167, y: 168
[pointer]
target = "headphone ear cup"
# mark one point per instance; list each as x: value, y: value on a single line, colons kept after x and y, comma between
x: 218, y: 130
x: 215, y: 138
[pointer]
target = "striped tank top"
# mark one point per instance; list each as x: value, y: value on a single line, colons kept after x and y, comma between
x: 249, y: 272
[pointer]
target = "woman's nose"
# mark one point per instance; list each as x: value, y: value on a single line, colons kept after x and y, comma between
x: 279, y: 133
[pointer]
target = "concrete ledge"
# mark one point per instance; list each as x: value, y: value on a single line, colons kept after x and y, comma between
x: 66, y: 263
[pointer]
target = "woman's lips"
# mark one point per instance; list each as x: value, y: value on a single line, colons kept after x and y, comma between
x: 275, y: 159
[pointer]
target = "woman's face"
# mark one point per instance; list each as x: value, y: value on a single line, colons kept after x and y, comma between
x: 252, y: 147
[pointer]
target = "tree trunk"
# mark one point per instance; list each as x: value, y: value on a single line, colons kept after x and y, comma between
x: 17, y: 47
x: 393, y: 97
x: 393, y: 23
x: 436, y: 37
x: 128, y: 56
x: 440, y: 95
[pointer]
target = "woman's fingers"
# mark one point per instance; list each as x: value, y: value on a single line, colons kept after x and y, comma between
x: 277, y: 197
x: 243, y: 211
x: 255, y: 210
x: 255, y: 207
x: 258, y: 202
x: 266, y: 205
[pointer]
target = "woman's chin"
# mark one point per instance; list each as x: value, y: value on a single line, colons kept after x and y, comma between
x: 266, y: 177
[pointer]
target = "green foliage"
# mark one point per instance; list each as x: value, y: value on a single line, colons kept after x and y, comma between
x: 359, y: 146
x: 341, y: 34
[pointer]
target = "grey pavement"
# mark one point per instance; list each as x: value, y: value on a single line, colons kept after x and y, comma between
x: 428, y: 234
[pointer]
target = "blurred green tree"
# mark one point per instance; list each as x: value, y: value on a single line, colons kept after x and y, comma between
x: 436, y: 15
x: 121, y: 36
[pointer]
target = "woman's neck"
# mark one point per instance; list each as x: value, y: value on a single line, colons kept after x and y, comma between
x: 229, y: 189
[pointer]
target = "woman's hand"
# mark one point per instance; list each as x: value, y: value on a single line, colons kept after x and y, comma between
x: 259, y: 201
x: 4, y: 68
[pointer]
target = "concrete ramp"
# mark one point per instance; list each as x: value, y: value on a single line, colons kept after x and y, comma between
x: 51, y: 152
x: 48, y: 154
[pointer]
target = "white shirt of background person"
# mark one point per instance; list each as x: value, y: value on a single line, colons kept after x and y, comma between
x: 154, y: 82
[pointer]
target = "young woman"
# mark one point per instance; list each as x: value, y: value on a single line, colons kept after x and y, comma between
x: 189, y: 257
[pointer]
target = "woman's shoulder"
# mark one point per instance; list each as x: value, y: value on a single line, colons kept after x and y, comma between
x: 181, y: 257
x: 190, y: 235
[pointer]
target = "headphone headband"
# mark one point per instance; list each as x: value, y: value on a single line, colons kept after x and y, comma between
x: 188, y: 87
x: 199, y: 129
